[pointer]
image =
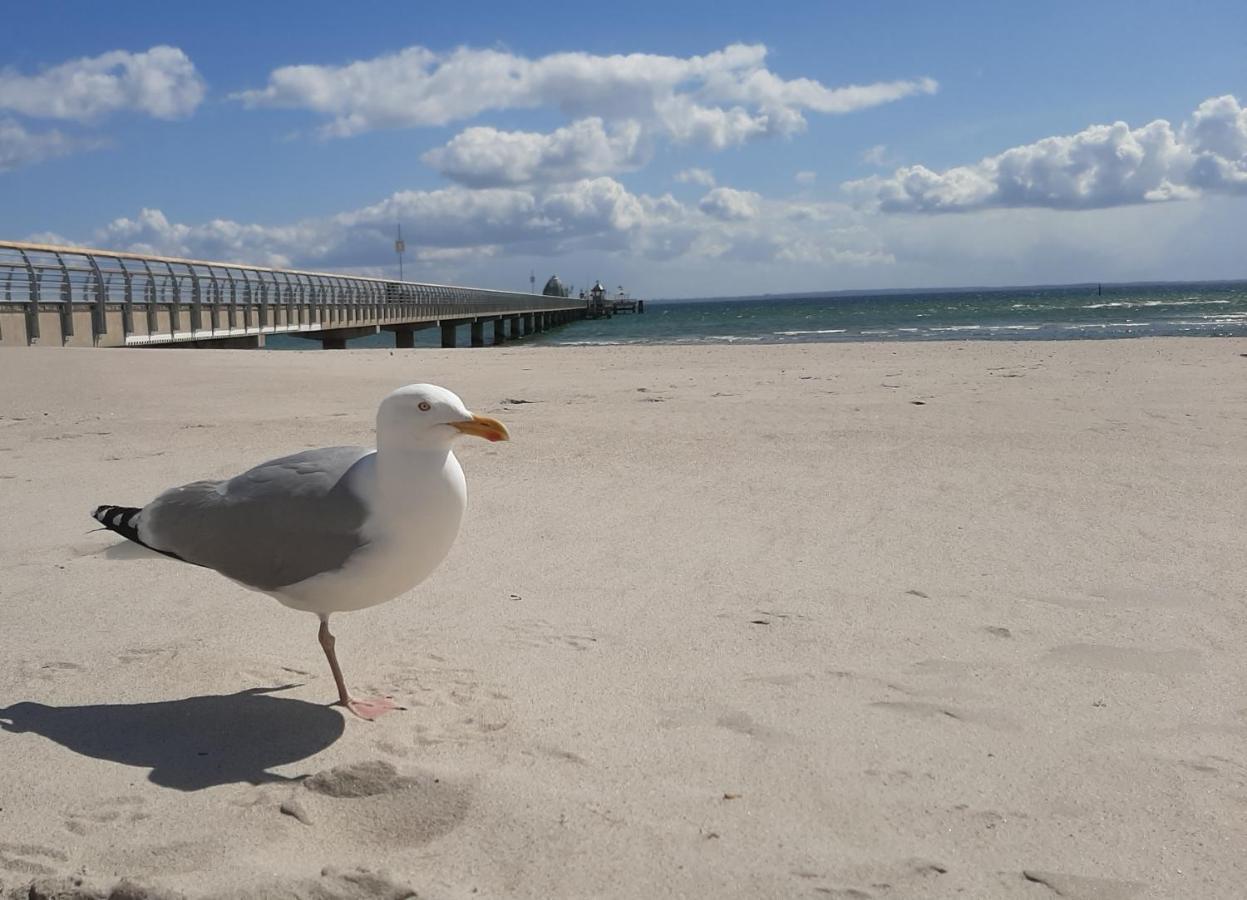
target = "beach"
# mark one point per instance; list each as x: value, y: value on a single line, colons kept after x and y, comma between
x: 868, y: 620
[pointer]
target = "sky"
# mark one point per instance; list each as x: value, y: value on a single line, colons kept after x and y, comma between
x: 678, y: 149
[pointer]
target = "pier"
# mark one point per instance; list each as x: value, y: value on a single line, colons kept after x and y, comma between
x: 598, y: 305
x: 79, y: 297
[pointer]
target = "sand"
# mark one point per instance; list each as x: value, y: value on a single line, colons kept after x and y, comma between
x: 854, y: 621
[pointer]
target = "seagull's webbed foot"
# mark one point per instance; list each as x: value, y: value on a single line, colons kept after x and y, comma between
x: 370, y: 709
x: 373, y: 708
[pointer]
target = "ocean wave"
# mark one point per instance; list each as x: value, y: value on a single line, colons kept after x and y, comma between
x: 1134, y: 304
x: 1086, y: 325
x: 819, y: 331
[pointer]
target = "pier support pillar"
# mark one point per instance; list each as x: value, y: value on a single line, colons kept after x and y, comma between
x: 526, y: 324
x: 336, y: 338
x: 478, y: 334
x: 448, y: 334
x: 514, y: 327
x: 405, y: 333
x: 500, y: 330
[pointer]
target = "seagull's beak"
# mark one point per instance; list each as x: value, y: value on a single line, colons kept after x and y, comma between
x: 485, y: 427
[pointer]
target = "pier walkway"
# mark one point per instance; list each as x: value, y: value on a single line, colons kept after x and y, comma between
x: 73, y: 296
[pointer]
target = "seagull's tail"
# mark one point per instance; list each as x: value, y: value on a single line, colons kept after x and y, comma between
x: 122, y: 519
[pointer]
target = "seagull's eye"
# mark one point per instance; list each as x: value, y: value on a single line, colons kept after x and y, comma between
x: 424, y: 406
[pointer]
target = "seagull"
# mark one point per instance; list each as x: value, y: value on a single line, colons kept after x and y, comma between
x: 328, y: 530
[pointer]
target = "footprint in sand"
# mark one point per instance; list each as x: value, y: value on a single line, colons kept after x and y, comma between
x: 540, y: 633
x: 333, y: 884
x: 280, y: 677
x: 373, y: 798
x: 942, y: 712
x: 877, y: 881
x: 891, y: 777
x: 741, y: 723
x: 1127, y: 659
x: 918, y: 709
x: 31, y: 859
x: 64, y: 666
x: 169, y: 858
x: 437, y: 686
x: 457, y: 707
x: 51, y: 671
x: 105, y: 813
x: 1145, y: 598
x: 145, y: 654
x: 1080, y: 887
x: 780, y: 680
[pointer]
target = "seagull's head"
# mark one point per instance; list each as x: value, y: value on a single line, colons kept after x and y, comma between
x: 428, y: 416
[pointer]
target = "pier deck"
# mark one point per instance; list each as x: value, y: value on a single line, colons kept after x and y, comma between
x: 74, y: 296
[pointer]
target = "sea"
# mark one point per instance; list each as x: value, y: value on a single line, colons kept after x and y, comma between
x: 1083, y: 312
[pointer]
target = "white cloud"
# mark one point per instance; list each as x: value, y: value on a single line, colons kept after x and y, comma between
x: 19, y: 147
x: 220, y: 239
x: 487, y: 157
x: 767, y: 91
x: 718, y: 99
x: 450, y: 229
x: 160, y: 82
x: 704, y: 177
x: 876, y: 155
x: 1099, y: 167
x: 805, y: 176
x: 730, y: 204
x: 1217, y: 137
x: 660, y: 246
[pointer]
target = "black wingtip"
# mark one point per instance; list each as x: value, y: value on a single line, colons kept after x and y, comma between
x: 124, y: 520
x: 121, y: 519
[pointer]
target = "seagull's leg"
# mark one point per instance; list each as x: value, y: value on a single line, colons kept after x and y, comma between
x: 365, y: 709
x: 326, y: 643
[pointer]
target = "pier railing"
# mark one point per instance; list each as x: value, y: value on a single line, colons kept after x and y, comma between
x: 78, y: 296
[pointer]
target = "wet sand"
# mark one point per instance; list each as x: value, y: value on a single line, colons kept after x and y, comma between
x: 868, y: 620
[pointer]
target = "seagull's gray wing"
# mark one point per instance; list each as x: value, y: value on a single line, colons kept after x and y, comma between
x: 272, y: 526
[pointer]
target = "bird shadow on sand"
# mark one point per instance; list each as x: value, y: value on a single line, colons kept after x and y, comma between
x: 192, y: 743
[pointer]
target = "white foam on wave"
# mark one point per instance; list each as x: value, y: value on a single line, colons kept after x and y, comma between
x: 819, y: 331
x: 1087, y: 325
x: 956, y: 328
x: 1212, y: 321
x: 1131, y: 304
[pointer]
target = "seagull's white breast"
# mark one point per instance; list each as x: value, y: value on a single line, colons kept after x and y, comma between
x: 416, y: 506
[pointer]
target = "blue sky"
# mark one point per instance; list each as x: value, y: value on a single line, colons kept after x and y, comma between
x: 681, y: 149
